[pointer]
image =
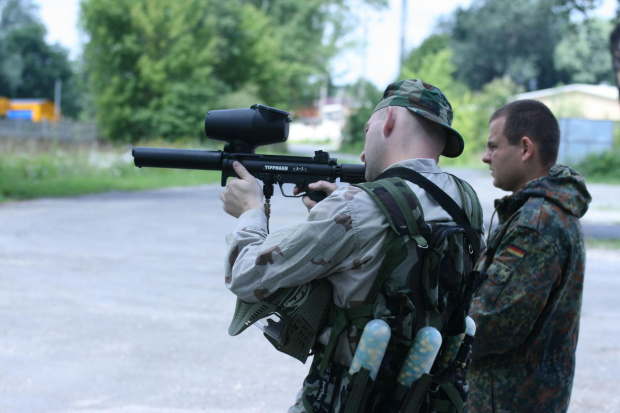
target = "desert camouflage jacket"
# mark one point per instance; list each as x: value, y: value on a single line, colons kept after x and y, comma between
x: 343, y: 239
x: 528, y: 310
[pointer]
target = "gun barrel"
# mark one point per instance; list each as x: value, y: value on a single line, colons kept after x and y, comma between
x: 177, y: 158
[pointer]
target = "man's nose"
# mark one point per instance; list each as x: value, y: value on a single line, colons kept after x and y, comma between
x: 486, y: 158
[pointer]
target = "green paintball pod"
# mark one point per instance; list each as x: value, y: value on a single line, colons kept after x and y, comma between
x: 290, y: 318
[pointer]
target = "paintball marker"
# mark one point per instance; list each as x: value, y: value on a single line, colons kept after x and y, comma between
x: 243, y: 130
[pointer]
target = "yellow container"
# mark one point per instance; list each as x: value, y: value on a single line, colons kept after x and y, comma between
x: 36, y: 110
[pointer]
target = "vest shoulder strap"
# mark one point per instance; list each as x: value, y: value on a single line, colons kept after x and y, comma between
x: 447, y: 203
x: 400, y: 206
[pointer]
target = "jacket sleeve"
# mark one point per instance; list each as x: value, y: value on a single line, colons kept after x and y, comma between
x: 259, y: 263
x: 522, y: 275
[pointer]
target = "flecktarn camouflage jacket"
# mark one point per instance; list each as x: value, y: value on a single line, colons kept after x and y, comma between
x: 527, y: 312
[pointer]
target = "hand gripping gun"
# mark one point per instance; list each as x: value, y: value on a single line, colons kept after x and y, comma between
x: 243, y: 130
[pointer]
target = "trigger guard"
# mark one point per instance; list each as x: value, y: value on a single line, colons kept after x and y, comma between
x: 316, y: 196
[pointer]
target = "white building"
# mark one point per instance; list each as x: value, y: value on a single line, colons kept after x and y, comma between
x: 586, y: 114
x: 594, y: 102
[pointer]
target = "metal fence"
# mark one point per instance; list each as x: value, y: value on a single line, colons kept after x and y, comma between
x: 64, y: 130
x: 582, y: 137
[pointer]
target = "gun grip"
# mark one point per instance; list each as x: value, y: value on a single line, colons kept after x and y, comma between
x: 316, y: 196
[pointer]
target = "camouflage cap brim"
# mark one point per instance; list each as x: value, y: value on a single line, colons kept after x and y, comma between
x: 454, y: 144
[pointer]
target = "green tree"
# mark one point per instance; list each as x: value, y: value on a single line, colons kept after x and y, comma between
x: 568, y: 6
x: 433, y: 63
x: 614, y: 47
x: 582, y: 56
x: 432, y: 45
x: 249, y: 54
x: 155, y: 67
x: 17, y: 13
x: 313, y: 30
x: 150, y: 66
x: 13, y: 15
x: 496, y: 38
x: 29, y: 67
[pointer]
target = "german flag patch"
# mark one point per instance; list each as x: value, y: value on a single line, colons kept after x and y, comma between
x: 517, y: 252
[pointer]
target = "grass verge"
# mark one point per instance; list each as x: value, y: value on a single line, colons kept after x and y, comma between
x: 50, y: 169
x: 35, y: 169
x: 607, y: 244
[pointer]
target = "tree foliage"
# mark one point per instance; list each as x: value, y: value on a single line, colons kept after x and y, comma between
x: 496, y: 38
x: 13, y: 14
x: 537, y: 43
x: 29, y: 67
x: 614, y: 47
x: 432, y: 62
x: 570, y: 6
x: 156, y: 67
x: 149, y: 66
x: 582, y: 56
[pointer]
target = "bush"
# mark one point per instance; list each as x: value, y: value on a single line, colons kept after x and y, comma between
x: 603, y: 167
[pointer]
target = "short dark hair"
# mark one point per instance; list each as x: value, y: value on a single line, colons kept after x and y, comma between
x: 531, y: 118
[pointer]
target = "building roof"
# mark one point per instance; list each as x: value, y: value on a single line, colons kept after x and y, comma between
x: 604, y: 91
x: 36, y: 100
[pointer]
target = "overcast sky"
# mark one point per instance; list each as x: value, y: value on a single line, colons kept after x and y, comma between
x: 382, y: 31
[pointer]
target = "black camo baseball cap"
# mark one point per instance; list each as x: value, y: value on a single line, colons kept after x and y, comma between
x: 428, y: 101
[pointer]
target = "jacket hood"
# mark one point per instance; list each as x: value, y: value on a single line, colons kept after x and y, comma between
x: 563, y: 186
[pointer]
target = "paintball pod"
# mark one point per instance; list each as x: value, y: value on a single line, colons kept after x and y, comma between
x: 243, y: 130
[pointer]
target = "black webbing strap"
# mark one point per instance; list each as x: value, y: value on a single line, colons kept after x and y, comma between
x: 443, y: 199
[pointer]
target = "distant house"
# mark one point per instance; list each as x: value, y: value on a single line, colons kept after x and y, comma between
x: 594, y: 102
x: 320, y: 124
x: 36, y: 110
x: 586, y: 114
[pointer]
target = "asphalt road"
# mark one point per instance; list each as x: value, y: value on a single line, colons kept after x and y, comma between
x: 116, y: 303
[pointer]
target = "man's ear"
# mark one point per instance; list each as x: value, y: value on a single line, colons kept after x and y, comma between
x: 390, y: 119
x: 528, y: 148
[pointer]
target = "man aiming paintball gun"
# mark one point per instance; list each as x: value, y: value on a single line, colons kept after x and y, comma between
x: 361, y: 255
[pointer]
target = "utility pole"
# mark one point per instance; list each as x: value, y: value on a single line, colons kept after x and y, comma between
x: 57, y: 98
x: 403, y: 36
x: 362, y: 86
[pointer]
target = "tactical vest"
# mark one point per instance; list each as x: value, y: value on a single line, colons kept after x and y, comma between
x: 426, y: 281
